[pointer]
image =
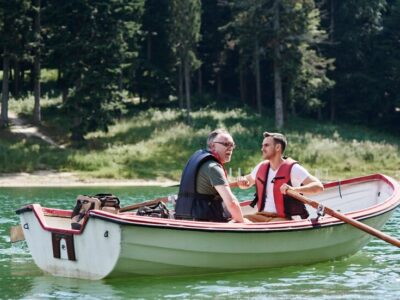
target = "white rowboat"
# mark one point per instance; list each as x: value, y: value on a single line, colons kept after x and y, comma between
x: 112, y: 244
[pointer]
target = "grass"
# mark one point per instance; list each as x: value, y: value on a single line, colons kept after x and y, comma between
x: 157, y: 143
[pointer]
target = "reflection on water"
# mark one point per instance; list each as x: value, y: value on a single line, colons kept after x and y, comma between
x: 45, y: 287
x: 372, y: 273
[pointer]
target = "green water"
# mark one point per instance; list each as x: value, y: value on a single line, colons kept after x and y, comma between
x: 372, y: 273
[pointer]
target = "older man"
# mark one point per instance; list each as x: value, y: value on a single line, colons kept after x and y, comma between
x: 204, y: 185
x: 273, y: 177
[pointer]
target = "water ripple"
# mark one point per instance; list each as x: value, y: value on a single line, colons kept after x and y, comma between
x: 372, y: 273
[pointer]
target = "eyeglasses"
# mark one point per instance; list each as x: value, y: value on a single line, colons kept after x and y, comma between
x: 227, y: 144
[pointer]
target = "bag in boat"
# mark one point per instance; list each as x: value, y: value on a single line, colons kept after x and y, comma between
x: 84, y: 203
x: 158, y: 210
x: 108, y: 202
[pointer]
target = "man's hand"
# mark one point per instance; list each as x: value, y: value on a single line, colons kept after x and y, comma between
x: 285, y: 187
x: 245, y: 220
x: 243, y: 183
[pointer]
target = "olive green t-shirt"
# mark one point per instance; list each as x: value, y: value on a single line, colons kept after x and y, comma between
x: 209, y: 175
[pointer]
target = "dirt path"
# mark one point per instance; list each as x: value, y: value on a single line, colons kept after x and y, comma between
x: 20, y: 126
x: 59, y: 179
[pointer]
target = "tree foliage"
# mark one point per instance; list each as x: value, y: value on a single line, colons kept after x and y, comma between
x: 94, y: 37
x: 155, y: 59
x: 325, y: 59
x: 184, y: 36
x: 15, y: 27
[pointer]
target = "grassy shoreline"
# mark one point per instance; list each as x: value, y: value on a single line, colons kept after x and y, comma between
x: 155, y: 144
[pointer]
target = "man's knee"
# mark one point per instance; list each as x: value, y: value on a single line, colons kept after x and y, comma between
x: 260, y: 217
x: 257, y: 218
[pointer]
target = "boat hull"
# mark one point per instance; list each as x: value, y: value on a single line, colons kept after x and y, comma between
x: 51, y: 249
x: 110, y: 245
x: 147, y: 251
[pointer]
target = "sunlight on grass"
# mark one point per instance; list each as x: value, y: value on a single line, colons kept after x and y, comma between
x: 25, y: 105
x: 157, y: 144
x: 345, y: 158
x: 47, y: 75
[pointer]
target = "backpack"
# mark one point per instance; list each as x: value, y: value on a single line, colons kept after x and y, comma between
x: 84, y: 203
x: 158, y: 210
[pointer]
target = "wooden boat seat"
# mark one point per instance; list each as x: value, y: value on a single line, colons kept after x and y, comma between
x: 58, y: 222
x: 247, y: 210
x: 109, y: 209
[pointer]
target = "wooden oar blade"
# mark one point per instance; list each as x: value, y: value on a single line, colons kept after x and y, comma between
x: 16, y: 234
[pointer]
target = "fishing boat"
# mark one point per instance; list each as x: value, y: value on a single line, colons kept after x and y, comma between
x: 118, y: 244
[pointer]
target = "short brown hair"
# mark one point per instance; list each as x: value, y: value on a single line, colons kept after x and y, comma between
x: 278, y: 138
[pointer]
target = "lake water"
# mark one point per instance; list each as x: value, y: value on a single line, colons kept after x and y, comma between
x: 372, y: 273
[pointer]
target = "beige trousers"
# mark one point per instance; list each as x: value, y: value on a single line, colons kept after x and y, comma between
x: 264, y: 217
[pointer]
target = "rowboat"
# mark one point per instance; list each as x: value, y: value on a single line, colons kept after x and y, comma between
x: 119, y: 244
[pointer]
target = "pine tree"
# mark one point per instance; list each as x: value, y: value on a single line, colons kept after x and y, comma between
x: 248, y: 29
x: 214, y: 76
x: 154, y: 63
x: 37, y: 6
x: 356, y: 24
x: 185, y: 34
x: 14, y: 28
x: 288, y: 33
x: 90, y: 40
x: 385, y: 69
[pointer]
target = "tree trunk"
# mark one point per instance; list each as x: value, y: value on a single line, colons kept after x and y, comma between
x: 11, y: 75
x: 293, y: 109
x: 200, y: 82
x: 4, y: 91
x: 37, y: 117
x: 64, y: 95
x: 17, y: 77
x: 77, y: 136
x: 180, y: 85
x: 187, y: 88
x: 242, y: 84
x: 61, y: 85
x: 148, y: 47
x: 242, y: 79
x: 331, y: 33
x: 219, y: 86
x: 279, y: 117
x: 120, y: 82
x: 333, y: 105
x: 257, y: 75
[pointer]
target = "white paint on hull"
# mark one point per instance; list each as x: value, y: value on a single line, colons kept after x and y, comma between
x: 97, y: 249
x: 112, y: 245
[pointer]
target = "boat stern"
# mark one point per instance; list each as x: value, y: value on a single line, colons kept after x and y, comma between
x: 89, y: 253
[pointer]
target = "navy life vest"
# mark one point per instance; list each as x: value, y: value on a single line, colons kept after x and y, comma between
x: 192, y: 205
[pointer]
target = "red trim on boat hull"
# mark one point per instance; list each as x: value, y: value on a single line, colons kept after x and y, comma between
x: 131, y: 219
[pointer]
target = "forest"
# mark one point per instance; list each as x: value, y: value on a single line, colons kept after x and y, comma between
x: 327, y: 60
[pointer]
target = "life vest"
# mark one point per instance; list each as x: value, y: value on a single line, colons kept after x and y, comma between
x: 192, y: 205
x: 285, y: 206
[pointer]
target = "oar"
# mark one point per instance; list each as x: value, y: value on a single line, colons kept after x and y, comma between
x: 16, y: 234
x: 148, y: 203
x: 344, y: 218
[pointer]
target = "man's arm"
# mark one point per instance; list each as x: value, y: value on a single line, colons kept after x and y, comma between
x: 243, y: 182
x: 231, y: 203
x: 310, y: 185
